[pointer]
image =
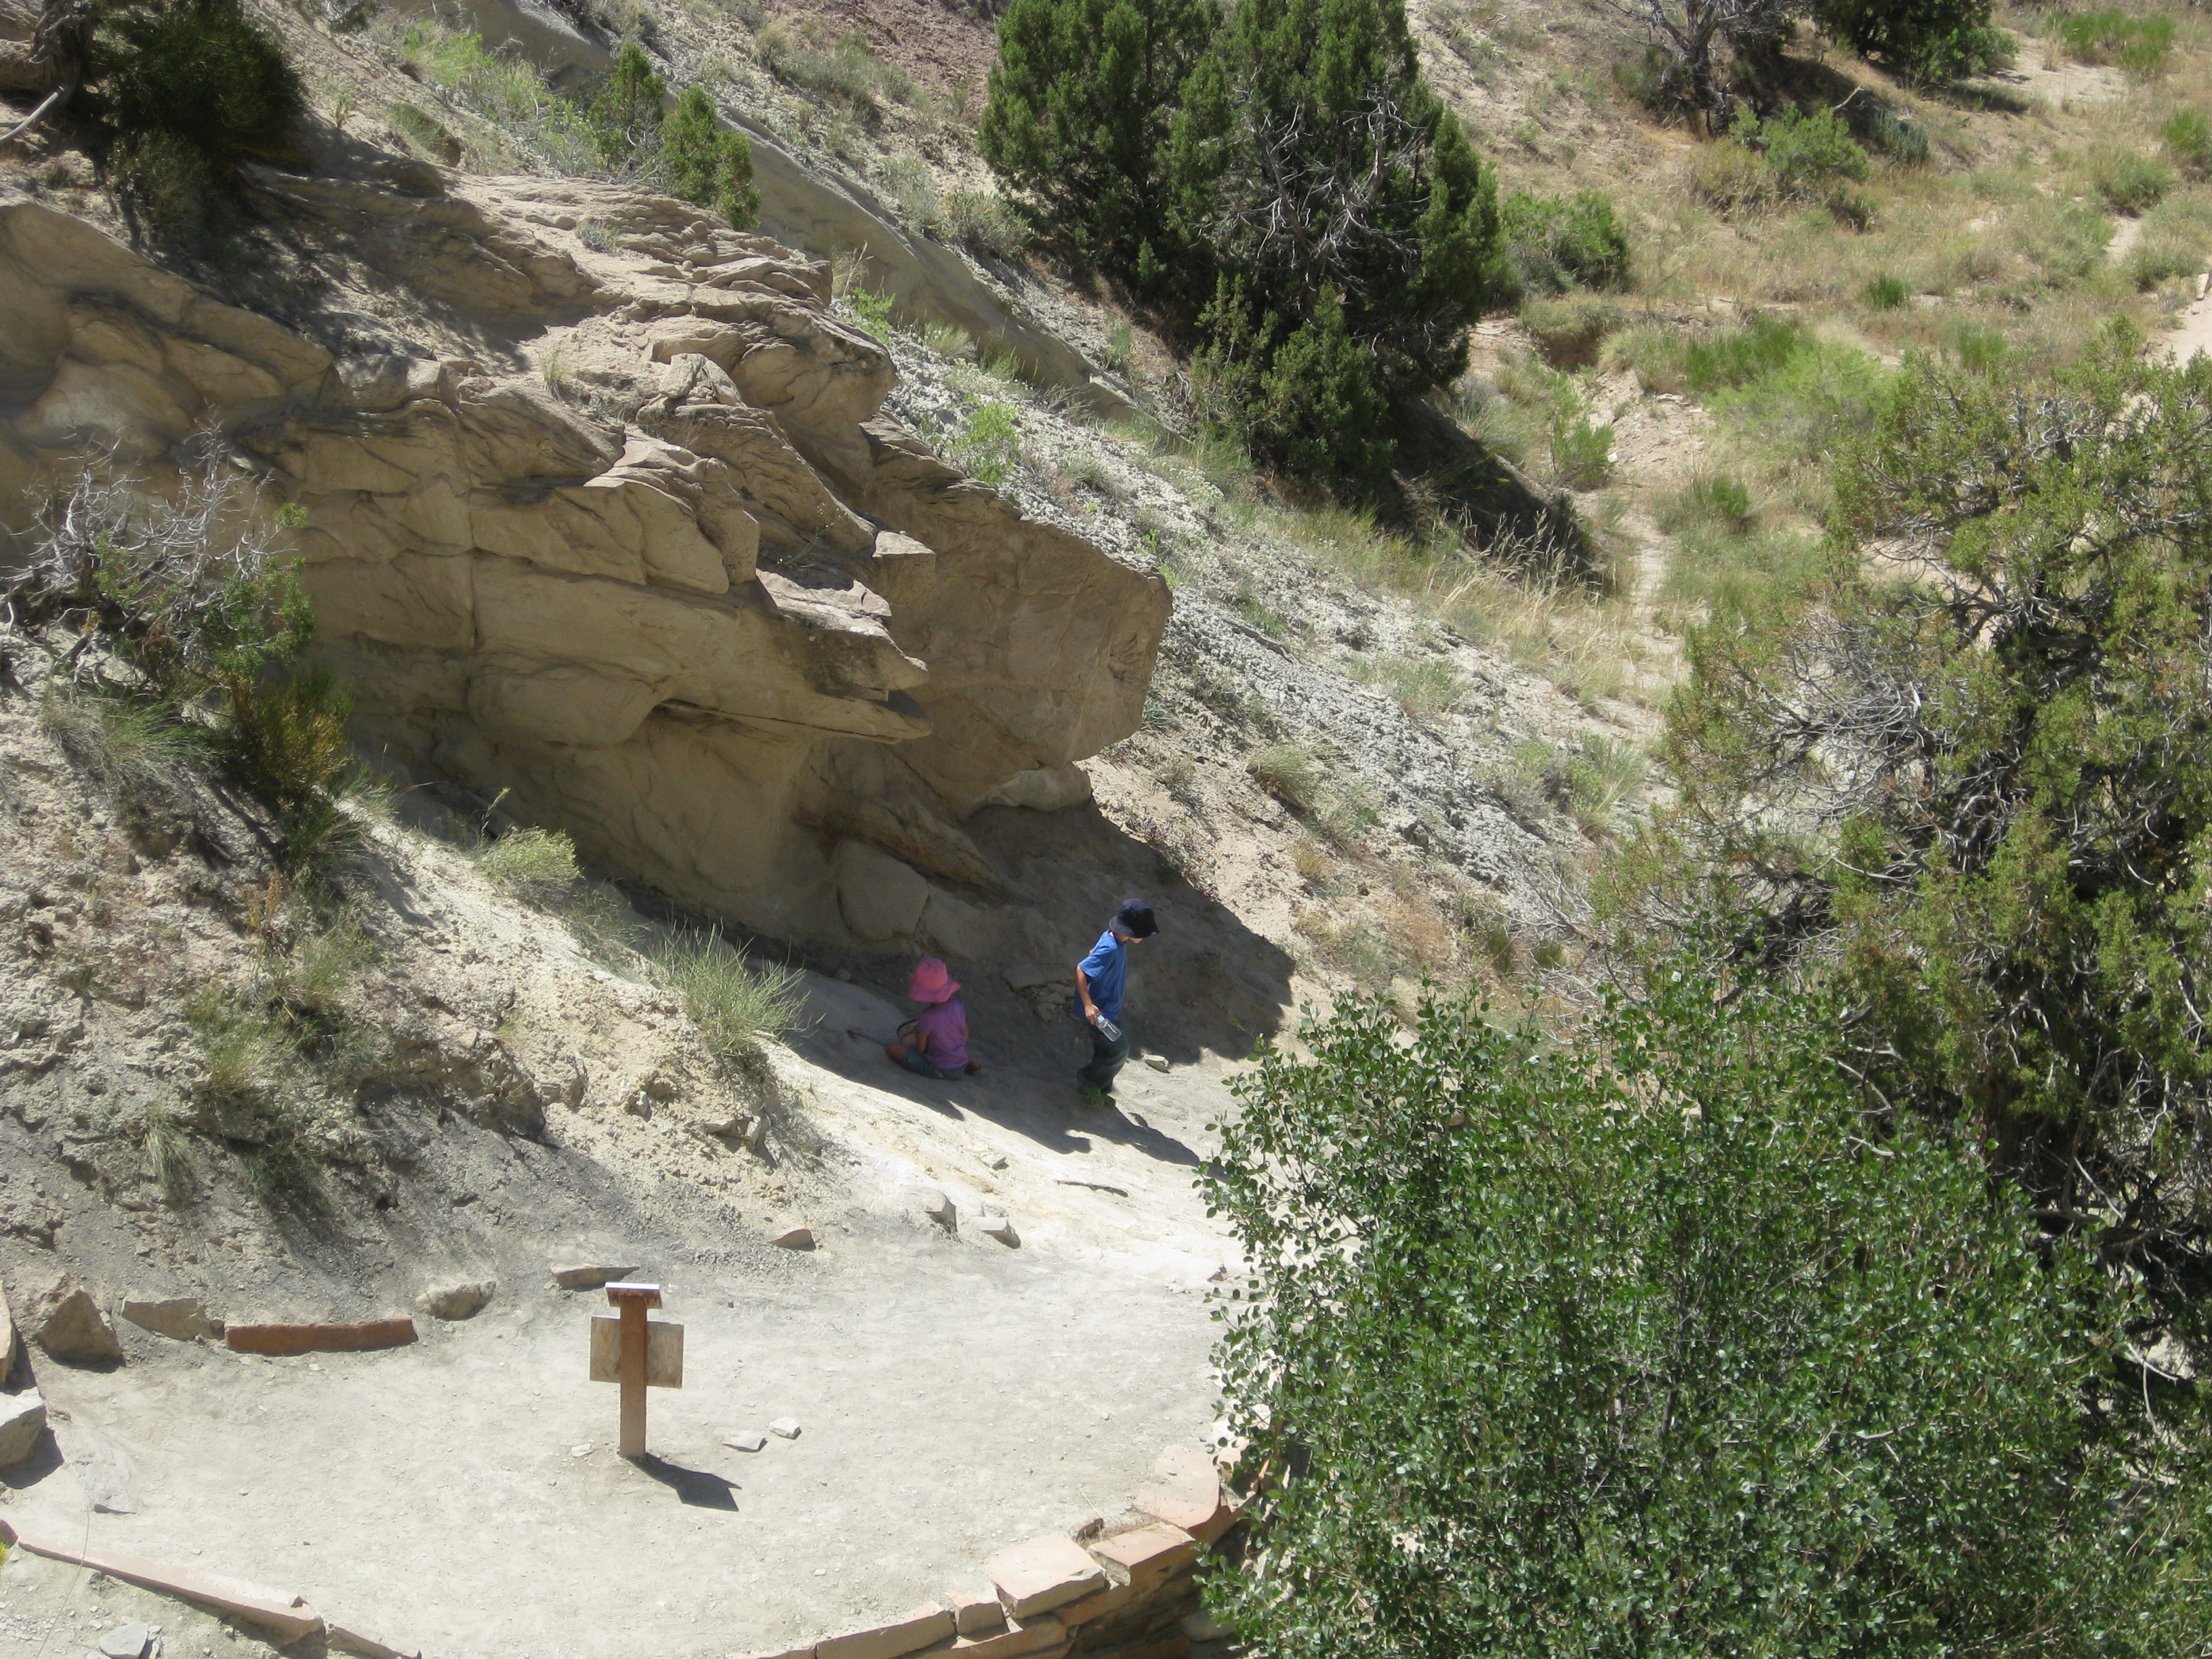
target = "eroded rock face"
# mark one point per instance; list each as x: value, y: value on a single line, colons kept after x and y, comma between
x: 630, y: 538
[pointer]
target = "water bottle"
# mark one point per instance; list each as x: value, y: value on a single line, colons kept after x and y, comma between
x: 1107, y: 1028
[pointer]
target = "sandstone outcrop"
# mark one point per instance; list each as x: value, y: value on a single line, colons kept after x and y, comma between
x: 624, y: 533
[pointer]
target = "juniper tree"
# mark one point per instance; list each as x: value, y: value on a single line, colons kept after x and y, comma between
x: 703, y: 164
x: 1975, y: 778
x: 1345, y: 207
x: 1080, y: 101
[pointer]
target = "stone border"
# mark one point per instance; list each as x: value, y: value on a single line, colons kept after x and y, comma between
x: 1130, y: 1596
x: 334, y: 1337
x: 287, y: 1618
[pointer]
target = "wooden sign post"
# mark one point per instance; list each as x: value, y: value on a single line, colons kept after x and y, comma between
x: 637, y: 1352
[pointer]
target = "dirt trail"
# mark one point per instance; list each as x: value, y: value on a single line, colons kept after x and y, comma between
x: 954, y: 1393
x: 2194, y: 335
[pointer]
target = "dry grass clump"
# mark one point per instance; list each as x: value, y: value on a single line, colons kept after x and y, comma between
x: 737, y: 1005
x: 539, y: 861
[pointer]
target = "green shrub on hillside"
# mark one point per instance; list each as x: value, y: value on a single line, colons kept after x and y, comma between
x: 1082, y: 98
x: 1560, y: 242
x: 626, y: 115
x: 2004, y: 840
x: 2187, y: 136
x: 186, y: 90
x: 2137, y: 44
x: 2128, y: 180
x: 215, y: 625
x: 702, y: 164
x: 1939, y: 40
x: 1661, y: 1341
x: 1283, y: 179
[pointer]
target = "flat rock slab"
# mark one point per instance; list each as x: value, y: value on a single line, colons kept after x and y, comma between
x: 793, y: 1238
x: 340, y: 1336
x: 289, y: 1616
x: 126, y: 1642
x: 180, y: 1318
x: 752, y: 1440
x: 925, y: 1627
x: 785, y: 1428
x: 1043, y: 1574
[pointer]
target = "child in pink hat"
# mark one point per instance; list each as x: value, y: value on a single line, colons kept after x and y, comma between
x: 939, y: 1044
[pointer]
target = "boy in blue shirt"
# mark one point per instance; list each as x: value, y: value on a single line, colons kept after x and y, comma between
x: 1100, y: 979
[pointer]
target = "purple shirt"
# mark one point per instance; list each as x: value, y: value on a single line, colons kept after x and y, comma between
x: 944, y: 1033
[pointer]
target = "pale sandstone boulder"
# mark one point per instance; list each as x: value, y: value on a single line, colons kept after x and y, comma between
x: 67, y: 1323
x: 635, y: 544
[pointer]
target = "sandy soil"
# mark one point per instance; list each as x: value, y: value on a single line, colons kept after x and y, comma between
x: 954, y: 1394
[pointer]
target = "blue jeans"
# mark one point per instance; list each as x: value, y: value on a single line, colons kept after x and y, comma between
x: 1107, y: 1054
x: 914, y: 1061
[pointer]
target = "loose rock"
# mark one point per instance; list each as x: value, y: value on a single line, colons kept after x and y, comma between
x: 23, y: 1422
x: 69, y: 1325
x: 749, y: 1440
x: 1158, y: 1062
x: 1043, y: 1574
x: 126, y: 1642
x: 1001, y: 1228
x: 181, y: 1318
x: 941, y: 1210
x: 785, y: 1428
x: 461, y: 1300
x: 793, y: 1237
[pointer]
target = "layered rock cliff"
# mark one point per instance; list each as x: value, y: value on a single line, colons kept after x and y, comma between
x: 602, y: 510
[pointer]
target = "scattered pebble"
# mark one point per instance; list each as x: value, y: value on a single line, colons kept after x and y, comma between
x: 785, y: 1428
x: 1158, y: 1062
x: 752, y: 1440
x: 582, y: 1448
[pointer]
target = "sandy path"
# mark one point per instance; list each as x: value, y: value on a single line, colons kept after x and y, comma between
x: 954, y: 1394
x: 952, y: 1400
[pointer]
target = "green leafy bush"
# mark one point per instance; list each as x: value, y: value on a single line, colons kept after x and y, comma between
x: 187, y: 89
x: 703, y: 164
x: 1905, y: 142
x: 626, y: 115
x: 1939, y: 40
x: 216, y: 625
x: 1561, y: 242
x: 1582, y: 453
x: 1658, y: 1340
x: 1805, y: 153
x: 1320, y: 409
x: 990, y: 443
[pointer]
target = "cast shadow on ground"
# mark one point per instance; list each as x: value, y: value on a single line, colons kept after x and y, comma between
x: 696, y: 1487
